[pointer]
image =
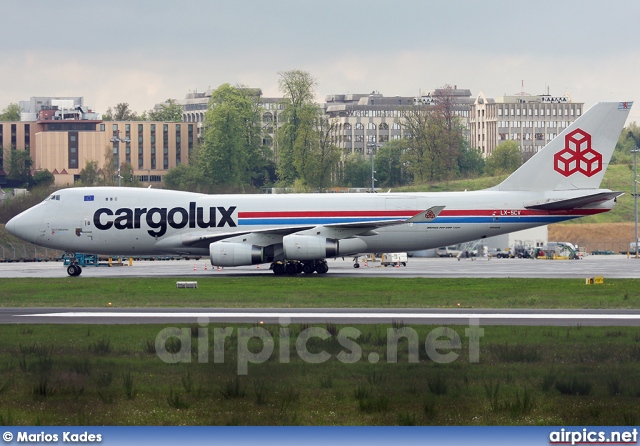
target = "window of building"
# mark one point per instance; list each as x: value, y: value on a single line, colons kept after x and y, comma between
x: 371, y: 126
x: 359, y: 126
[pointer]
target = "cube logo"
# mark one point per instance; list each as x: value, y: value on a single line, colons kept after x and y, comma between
x: 577, y: 156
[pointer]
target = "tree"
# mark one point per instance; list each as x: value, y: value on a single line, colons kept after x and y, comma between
x: 121, y: 113
x: 170, y: 111
x: 388, y: 163
x: 356, y: 171
x: 232, y: 153
x: 42, y: 178
x: 89, y: 175
x: 315, y: 157
x: 427, y: 147
x: 17, y: 165
x: 109, y: 168
x: 504, y: 159
x: 11, y: 113
x: 128, y: 178
x: 298, y: 89
x: 453, y: 136
x: 470, y: 162
x: 626, y: 143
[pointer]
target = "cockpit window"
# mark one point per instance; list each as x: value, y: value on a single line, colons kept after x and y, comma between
x: 53, y: 197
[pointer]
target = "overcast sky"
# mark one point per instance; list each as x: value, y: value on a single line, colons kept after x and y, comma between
x: 144, y: 52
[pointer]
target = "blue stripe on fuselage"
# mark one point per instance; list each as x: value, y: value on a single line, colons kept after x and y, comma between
x: 439, y: 220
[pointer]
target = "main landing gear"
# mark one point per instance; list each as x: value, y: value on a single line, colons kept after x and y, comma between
x: 295, y: 267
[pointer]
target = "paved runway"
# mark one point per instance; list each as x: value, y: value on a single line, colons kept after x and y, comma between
x: 339, y: 316
x: 613, y: 266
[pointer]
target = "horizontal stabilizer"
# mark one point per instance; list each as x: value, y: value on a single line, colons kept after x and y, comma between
x: 574, y: 203
x: 426, y: 216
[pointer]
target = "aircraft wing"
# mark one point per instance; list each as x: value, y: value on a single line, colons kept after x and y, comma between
x: 574, y: 203
x: 273, y: 235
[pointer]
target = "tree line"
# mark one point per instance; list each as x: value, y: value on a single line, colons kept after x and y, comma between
x: 236, y: 152
x: 303, y: 155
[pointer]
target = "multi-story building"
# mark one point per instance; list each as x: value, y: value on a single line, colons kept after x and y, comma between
x: 532, y: 121
x: 365, y: 121
x: 63, y: 143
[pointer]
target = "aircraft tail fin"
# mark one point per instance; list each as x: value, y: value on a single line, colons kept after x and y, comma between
x: 578, y: 157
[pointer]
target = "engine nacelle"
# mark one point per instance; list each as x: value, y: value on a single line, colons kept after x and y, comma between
x: 312, y: 247
x: 235, y: 254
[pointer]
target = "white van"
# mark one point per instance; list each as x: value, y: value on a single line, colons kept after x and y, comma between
x: 448, y: 251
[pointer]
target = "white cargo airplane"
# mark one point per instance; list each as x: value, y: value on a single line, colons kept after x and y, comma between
x: 297, y: 232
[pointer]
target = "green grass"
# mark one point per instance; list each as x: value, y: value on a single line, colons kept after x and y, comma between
x: 305, y: 292
x: 578, y: 376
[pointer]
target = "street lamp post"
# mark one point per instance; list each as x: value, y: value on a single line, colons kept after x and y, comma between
x: 372, y: 148
x: 116, y: 140
x: 635, y: 151
x: 635, y: 193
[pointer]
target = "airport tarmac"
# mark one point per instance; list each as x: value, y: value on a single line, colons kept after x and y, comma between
x: 613, y: 266
x: 608, y: 266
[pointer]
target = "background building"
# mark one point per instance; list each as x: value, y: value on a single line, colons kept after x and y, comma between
x: 365, y: 121
x: 64, y: 135
x: 532, y: 121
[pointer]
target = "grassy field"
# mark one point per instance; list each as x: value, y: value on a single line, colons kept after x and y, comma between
x: 320, y: 292
x: 95, y: 375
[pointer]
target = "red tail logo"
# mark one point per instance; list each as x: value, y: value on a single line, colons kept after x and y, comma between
x: 577, y: 156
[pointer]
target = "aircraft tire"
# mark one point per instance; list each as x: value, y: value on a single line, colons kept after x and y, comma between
x: 291, y: 269
x: 278, y: 269
x: 322, y: 268
x: 74, y: 270
x: 309, y: 268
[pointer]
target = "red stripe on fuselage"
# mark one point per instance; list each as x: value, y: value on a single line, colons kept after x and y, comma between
x: 411, y: 213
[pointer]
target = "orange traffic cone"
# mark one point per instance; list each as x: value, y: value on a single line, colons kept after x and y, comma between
x: 398, y: 265
x: 205, y: 266
x: 194, y: 268
x: 219, y: 268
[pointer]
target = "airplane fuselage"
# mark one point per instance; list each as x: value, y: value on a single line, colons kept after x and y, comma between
x: 133, y: 221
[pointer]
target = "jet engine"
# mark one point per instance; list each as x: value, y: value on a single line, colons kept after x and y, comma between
x: 235, y: 254
x: 311, y: 247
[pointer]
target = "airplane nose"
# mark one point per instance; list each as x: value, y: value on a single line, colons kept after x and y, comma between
x: 23, y: 226
x: 11, y: 226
